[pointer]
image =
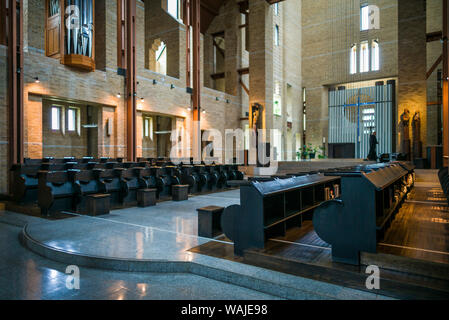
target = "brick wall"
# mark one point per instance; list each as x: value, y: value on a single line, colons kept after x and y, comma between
x: 100, y: 88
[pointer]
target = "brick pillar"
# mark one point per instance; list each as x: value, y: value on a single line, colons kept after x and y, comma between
x: 260, y: 59
x: 412, y: 89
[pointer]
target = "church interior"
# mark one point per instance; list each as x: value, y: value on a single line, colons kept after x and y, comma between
x: 224, y: 149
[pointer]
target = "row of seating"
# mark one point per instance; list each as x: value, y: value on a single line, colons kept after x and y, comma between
x: 443, y: 176
x: 371, y: 196
x: 351, y: 207
x: 57, y: 185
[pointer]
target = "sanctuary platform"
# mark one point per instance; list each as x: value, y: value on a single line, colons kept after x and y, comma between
x: 413, y: 258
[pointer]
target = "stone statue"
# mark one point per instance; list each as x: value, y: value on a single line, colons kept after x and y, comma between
x: 405, y: 133
x: 416, y: 131
x: 256, y: 116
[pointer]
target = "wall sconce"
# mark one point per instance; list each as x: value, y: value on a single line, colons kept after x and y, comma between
x: 227, y: 101
x: 189, y: 109
x: 36, y: 80
x: 172, y: 86
x: 142, y: 100
x: 204, y: 111
x: 216, y: 98
x: 119, y: 95
x: 154, y: 81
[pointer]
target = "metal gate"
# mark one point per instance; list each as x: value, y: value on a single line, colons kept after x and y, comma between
x: 354, y: 113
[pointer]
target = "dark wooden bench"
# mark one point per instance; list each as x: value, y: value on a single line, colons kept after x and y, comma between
x: 209, y: 221
x: 98, y: 204
x: 268, y: 209
x: 180, y: 192
x: 371, y: 197
x: 146, y: 197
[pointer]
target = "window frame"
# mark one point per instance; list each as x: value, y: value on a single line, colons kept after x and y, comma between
x: 364, y: 20
x: 276, y: 9
x: 59, y: 120
x: 163, y: 52
x: 375, y: 55
x: 353, y: 59
x: 178, y: 7
x: 276, y: 35
x: 148, y: 131
x: 75, y: 119
x: 364, y: 63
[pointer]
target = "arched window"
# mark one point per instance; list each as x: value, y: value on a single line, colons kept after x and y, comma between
x: 375, y: 56
x: 353, y: 59
x: 364, y: 56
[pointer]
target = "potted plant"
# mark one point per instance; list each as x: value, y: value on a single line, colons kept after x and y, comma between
x: 322, y: 155
x: 311, y: 151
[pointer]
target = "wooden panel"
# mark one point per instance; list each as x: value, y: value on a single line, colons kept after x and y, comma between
x: 79, y: 61
x: 52, y: 34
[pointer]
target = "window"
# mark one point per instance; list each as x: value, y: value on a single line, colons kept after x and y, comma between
x: 364, y: 18
x: 369, y: 17
x: 364, y: 57
x: 71, y: 119
x: 277, y: 100
x: 161, y: 59
x: 375, y: 57
x: 276, y: 9
x: 55, y: 118
x: 148, y: 127
x: 353, y: 59
x: 173, y: 8
x: 276, y: 35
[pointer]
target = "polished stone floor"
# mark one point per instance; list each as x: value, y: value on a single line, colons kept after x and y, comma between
x: 25, y: 275
x: 162, y: 233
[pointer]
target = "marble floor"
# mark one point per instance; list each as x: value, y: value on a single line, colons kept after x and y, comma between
x: 26, y: 275
x: 161, y: 234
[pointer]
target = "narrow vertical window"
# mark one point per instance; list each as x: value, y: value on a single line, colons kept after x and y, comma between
x: 55, y: 118
x: 173, y: 8
x: 276, y: 9
x: 353, y: 59
x: 276, y: 35
x: 375, y: 56
x: 71, y: 119
x: 146, y: 127
x: 364, y: 18
x: 364, y: 57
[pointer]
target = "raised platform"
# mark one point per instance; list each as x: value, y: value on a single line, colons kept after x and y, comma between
x: 159, y: 239
x: 413, y: 257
